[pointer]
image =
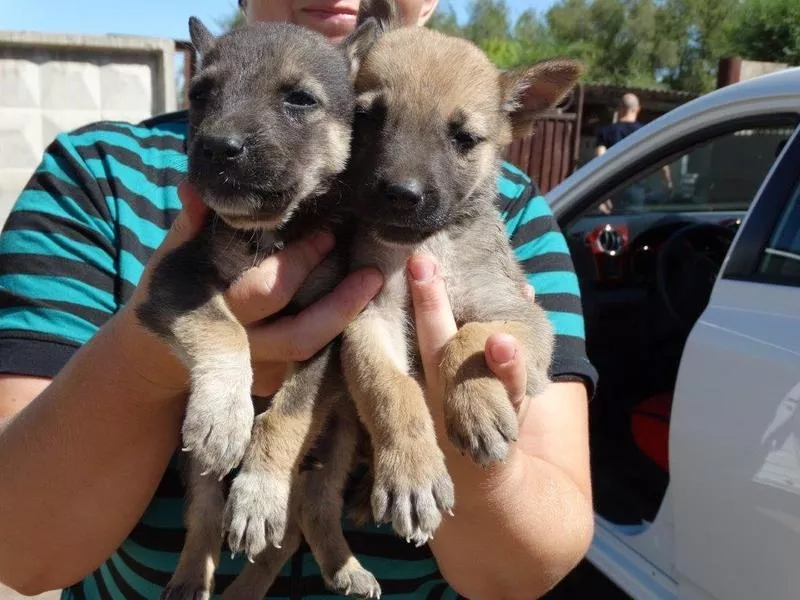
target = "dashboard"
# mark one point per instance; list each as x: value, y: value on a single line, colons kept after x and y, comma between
x: 618, y: 250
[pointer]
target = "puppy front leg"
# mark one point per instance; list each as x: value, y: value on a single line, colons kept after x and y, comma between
x: 258, y: 505
x: 479, y: 416
x: 219, y: 413
x: 194, y: 577
x: 412, y: 485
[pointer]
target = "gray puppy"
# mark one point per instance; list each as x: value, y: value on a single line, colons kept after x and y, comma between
x: 432, y: 119
x: 270, y: 127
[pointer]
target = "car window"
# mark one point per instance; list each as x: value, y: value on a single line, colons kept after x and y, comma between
x: 722, y: 174
x: 780, y: 260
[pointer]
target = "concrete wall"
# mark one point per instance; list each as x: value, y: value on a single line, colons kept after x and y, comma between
x: 751, y: 69
x: 54, y: 83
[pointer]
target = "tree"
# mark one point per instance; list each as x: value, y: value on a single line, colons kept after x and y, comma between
x: 232, y: 21
x: 768, y: 30
x: 446, y: 21
x: 617, y: 39
x: 701, y: 31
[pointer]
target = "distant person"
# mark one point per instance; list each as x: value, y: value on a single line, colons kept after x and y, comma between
x: 633, y: 196
x: 627, y: 122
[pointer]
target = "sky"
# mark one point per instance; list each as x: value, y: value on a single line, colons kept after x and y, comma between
x: 157, y: 18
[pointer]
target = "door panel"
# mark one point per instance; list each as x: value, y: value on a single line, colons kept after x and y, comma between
x: 735, y: 445
x: 735, y: 434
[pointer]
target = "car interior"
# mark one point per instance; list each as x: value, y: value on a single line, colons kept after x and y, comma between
x: 647, y: 256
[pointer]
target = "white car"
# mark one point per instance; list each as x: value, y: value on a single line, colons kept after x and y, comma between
x: 691, y: 291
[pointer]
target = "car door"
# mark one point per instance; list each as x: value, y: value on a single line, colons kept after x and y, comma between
x: 735, y: 433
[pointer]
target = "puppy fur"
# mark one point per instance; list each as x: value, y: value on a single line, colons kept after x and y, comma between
x: 271, y: 117
x: 433, y: 115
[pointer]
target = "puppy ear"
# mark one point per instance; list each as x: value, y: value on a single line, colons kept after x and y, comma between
x: 357, y: 44
x: 528, y: 91
x: 202, y: 38
x: 385, y: 12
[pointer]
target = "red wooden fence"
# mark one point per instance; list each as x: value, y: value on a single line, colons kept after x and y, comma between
x: 549, y: 153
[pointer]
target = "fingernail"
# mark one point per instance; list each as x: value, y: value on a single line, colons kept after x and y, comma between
x: 503, y: 352
x: 323, y: 241
x: 421, y: 268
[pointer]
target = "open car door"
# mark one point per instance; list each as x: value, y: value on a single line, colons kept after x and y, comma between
x: 734, y: 445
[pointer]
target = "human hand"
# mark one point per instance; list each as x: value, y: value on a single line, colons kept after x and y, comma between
x: 261, y: 292
x: 436, y: 325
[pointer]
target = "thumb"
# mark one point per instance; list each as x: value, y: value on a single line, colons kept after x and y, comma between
x: 433, y: 315
x: 186, y: 226
x: 190, y: 219
x: 505, y: 359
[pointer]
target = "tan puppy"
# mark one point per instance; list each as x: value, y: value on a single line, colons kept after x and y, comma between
x: 433, y: 115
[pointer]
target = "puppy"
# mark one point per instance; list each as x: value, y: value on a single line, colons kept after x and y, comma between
x: 270, y: 127
x: 433, y: 115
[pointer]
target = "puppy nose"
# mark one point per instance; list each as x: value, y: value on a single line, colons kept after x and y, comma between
x: 223, y: 147
x: 407, y: 192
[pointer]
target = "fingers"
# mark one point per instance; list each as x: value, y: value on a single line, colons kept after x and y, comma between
x: 268, y: 377
x: 267, y: 288
x: 299, y: 337
x: 528, y: 292
x: 505, y: 358
x: 432, y: 312
x: 194, y: 208
x: 187, y: 225
x: 189, y: 220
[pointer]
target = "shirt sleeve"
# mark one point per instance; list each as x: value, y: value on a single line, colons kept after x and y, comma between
x: 58, y: 265
x: 542, y: 250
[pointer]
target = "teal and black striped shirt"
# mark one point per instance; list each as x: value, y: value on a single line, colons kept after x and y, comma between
x: 74, y: 248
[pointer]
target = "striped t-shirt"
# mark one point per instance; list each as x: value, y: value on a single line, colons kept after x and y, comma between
x: 74, y: 248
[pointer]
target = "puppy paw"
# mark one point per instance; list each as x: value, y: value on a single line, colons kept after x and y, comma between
x: 480, y: 419
x: 219, y: 421
x: 185, y: 590
x: 412, y: 489
x: 256, y: 512
x: 354, y: 580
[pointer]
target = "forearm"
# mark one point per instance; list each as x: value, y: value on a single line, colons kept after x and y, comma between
x: 80, y: 463
x: 531, y: 525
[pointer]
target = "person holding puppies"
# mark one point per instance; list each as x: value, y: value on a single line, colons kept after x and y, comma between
x: 92, y: 404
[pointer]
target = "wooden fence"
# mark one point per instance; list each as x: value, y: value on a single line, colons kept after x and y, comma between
x: 549, y: 153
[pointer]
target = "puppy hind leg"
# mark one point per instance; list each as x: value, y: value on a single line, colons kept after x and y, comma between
x: 320, y: 502
x: 257, y: 577
x: 194, y: 576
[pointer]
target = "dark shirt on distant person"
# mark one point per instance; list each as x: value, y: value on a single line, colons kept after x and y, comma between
x: 612, y: 133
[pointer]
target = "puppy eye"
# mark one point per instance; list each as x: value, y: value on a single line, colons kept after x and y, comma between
x: 299, y: 99
x: 465, y: 141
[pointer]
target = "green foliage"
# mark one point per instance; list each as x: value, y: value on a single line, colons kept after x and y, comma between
x: 650, y: 43
x: 768, y: 30
x: 699, y: 32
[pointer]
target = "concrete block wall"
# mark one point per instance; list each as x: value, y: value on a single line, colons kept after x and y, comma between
x: 55, y: 83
